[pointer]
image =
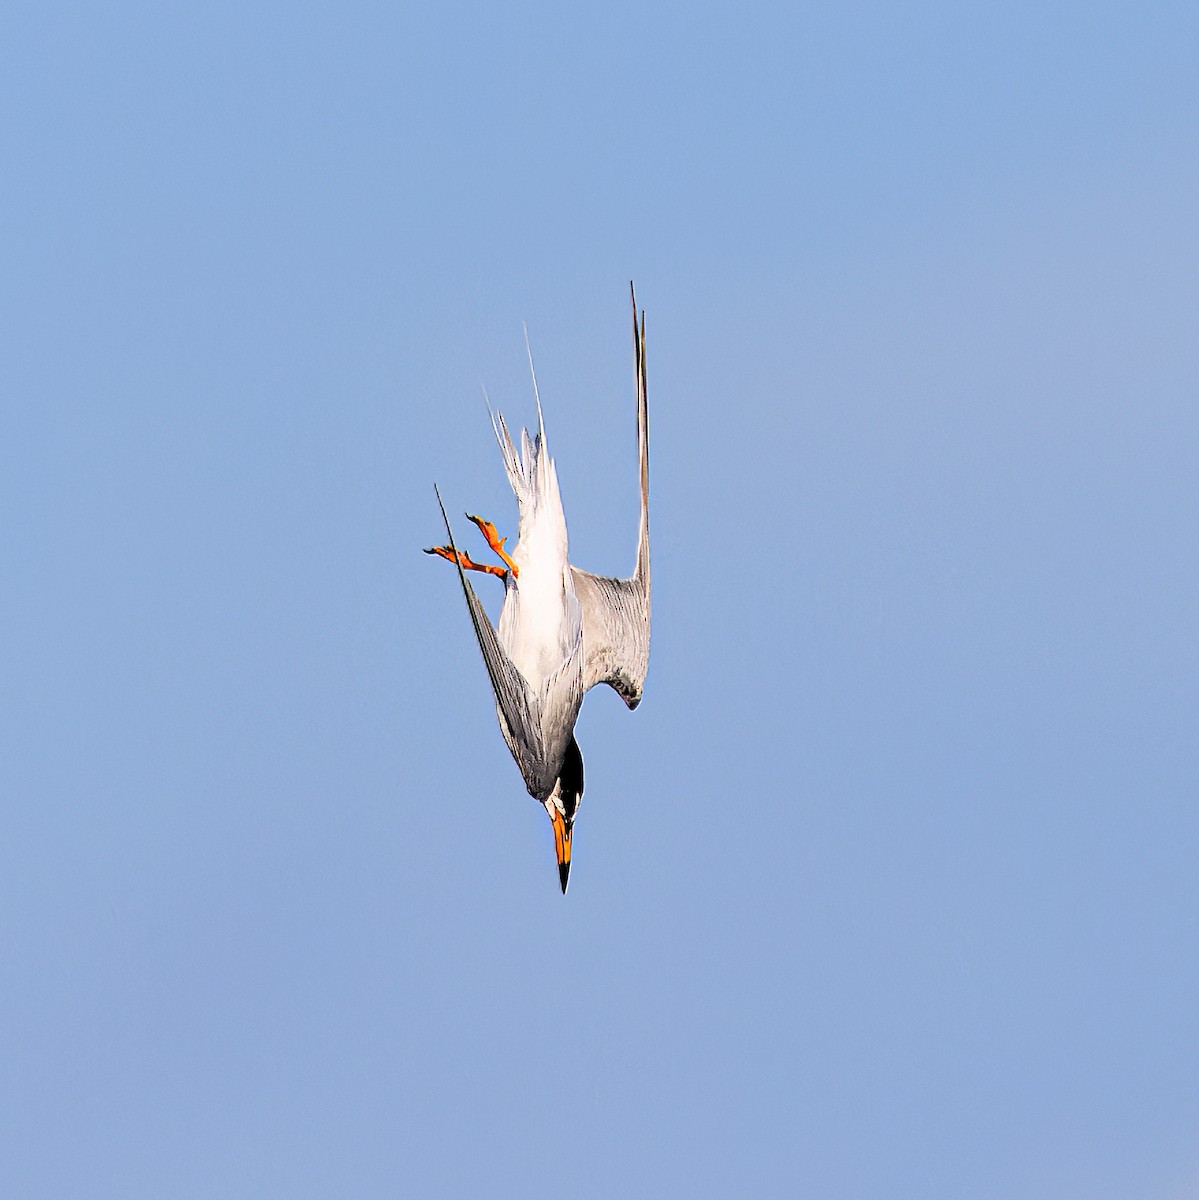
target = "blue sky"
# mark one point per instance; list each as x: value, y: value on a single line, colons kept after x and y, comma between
x: 888, y: 888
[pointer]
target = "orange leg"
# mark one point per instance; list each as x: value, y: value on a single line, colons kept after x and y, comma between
x: 465, y: 561
x: 489, y: 531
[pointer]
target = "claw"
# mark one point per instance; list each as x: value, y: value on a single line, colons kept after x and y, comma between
x: 465, y: 561
x: 489, y: 531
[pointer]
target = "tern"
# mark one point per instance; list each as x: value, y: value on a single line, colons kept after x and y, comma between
x: 562, y: 630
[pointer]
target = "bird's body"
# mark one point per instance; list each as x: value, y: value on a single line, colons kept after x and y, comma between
x: 561, y: 630
x: 541, y: 625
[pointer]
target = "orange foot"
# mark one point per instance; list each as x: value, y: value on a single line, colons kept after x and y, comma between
x: 465, y: 561
x: 489, y: 531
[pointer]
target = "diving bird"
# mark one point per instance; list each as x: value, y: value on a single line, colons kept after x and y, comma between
x: 562, y: 630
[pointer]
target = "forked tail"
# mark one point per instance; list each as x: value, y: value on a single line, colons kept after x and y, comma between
x: 531, y: 473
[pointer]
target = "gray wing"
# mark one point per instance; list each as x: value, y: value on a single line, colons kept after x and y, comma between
x: 518, y: 711
x: 616, y: 611
x: 615, y: 632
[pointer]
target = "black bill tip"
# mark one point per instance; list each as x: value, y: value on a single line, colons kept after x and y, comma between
x: 564, y: 874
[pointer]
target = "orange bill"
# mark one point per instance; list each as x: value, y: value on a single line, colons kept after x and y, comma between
x: 561, y: 845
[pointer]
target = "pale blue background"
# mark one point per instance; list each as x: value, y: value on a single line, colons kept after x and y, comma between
x: 889, y: 887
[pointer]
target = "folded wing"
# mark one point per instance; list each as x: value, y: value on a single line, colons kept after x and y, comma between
x: 519, y: 711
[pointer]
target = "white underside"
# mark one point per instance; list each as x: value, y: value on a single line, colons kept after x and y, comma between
x: 540, y: 625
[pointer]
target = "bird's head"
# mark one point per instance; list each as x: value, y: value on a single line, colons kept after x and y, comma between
x: 562, y: 804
